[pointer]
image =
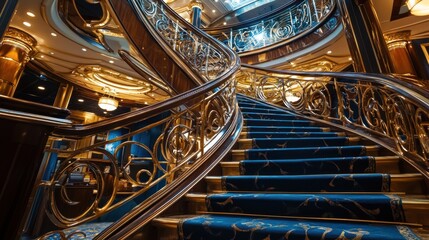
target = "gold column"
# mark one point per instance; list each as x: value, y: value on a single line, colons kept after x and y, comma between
x: 398, y: 45
x: 15, y: 51
x: 63, y: 96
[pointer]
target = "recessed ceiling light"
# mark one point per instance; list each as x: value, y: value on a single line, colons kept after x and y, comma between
x: 224, y: 23
x: 105, y: 112
x: 52, y: 53
x: 41, y: 88
x: 53, y: 34
x: 31, y: 14
x: 145, y: 103
x: 350, y: 59
x: 84, y: 49
x: 213, y: 10
x: 111, y: 61
x: 216, y: 0
x: 27, y: 24
x: 42, y: 56
x: 80, y: 100
x: 329, y: 52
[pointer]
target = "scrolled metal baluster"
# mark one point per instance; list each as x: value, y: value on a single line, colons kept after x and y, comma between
x: 373, y: 107
x: 348, y: 102
x: 62, y: 176
x: 421, y: 119
x: 127, y: 161
x: 318, y: 99
x: 400, y: 123
x: 214, y: 119
x: 292, y: 95
x: 180, y: 140
x: 149, y: 7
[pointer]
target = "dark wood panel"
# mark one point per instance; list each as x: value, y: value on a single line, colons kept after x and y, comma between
x: 150, y: 49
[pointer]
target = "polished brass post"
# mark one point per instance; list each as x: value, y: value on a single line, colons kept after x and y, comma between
x: 63, y: 96
x: 398, y: 45
x: 15, y: 51
x: 364, y: 37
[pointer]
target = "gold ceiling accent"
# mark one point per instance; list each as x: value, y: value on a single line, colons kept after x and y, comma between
x: 196, y: 4
x: 19, y: 39
x: 111, y: 79
x: 397, y: 36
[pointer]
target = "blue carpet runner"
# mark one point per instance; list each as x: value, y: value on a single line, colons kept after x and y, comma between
x: 373, y: 182
x: 359, y: 206
x: 364, y: 164
x: 270, y: 135
x: 299, y: 142
x: 297, y: 169
x: 306, y: 152
x: 216, y: 227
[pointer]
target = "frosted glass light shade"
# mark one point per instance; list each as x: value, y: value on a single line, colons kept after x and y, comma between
x: 418, y: 7
x: 108, y: 103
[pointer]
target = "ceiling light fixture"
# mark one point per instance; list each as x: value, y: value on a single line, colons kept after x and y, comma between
x: 84, y: 49
x: 108, y: 103
x: 53, y: 34
x: 111, y: 61
x: 42, y: 88
x: 27, y: 24
x: 80, y: 100
x: 418, y: 7
x: 31, y: 14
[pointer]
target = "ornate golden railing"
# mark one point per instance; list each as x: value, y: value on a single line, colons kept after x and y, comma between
x: 159, y: 146
x: 294, y: 20
x: 390, y: 110
x: 190, y: 129
x: 199, y: 50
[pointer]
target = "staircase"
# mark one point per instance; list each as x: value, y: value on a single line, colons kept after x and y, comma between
x: 294, y: 178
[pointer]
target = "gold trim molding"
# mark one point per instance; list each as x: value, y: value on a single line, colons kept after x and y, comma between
x: 196, y: 4
x: 19, y: 39
x: 398, y: 36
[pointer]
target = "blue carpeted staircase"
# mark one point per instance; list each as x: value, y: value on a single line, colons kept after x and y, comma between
x: 293, y: 178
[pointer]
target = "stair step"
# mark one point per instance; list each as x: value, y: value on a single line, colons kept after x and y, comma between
x: 306, y: 158
x: 270, y: 116
x: 412, y: 183
x: 386, y: 164
x: 169, y: 226
x: 297, y: 142
x: 289, y: 129
x: 273, y: 122
x: 416, y: 210
x: 309, y: 152
x: 261, y: 110
x: 270, y: 135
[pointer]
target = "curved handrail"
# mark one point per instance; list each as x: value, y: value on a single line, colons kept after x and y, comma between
x: 194, y: 125
x: 393, y: 112
x: 186, y: 130
x: 182, y: 55
x: 295, y: 20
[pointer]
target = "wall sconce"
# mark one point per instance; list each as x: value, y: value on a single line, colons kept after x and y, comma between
x: 108, y: 103
x: 418, y: 7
